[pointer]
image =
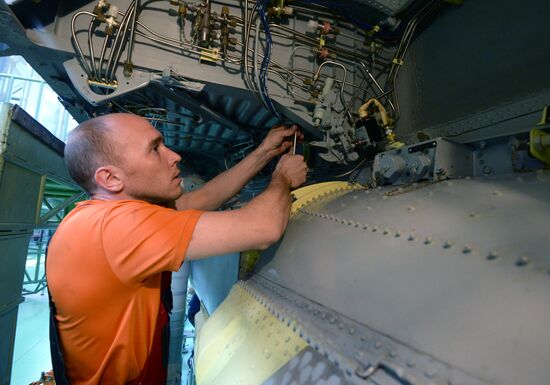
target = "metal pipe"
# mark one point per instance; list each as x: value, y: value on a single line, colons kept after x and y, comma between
x: 204, y: 27
x: 175, y: 41
x: 91, y: 47
x: 248, y: 80
x: 164, y: 42
x: 116, y: 50
x: 132, y: 32
x: 383, y: 94
x: 102, y: 56
x: 256, y: 71
x: 75, y: 40
x: 316, y: 76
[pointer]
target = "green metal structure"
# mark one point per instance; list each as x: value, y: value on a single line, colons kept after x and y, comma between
x: 35, y: 191
x: 57, y: 200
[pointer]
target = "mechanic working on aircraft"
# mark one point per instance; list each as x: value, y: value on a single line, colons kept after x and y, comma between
x: 106, y: 259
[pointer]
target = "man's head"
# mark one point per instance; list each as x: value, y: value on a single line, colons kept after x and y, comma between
x: 121, y: 156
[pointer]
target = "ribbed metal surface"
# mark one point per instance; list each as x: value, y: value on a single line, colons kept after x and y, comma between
x: 307, y: 368
x: 458, y: 270
x: 476, y: 81
x: 188, y: 130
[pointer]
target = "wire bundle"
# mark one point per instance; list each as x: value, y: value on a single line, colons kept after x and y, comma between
x: 262, y: 4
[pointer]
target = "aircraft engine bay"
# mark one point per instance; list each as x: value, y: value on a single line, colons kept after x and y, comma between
x: 417, y: 251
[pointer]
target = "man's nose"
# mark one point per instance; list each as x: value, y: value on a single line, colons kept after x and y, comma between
x: 174, y: 156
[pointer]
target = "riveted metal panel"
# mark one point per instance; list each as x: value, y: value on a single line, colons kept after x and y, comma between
x: 458, y: 270
x: 307, y: 368
x: 242, y: 343
x: 349, y: 349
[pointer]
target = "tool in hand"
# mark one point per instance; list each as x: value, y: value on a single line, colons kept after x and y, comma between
x: 294, y: 142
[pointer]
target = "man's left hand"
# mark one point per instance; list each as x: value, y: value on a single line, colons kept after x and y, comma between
x: 276, y: 142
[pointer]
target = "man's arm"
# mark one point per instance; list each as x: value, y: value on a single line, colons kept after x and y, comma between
x: 224, y: 186
x: 257, y: 225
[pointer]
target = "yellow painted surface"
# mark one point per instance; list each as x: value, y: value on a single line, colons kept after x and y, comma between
x: 306, y: 195
x: 538, y: 145
x: 242, y: 343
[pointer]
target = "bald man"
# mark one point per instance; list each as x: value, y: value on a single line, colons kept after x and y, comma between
x: 108, y: 260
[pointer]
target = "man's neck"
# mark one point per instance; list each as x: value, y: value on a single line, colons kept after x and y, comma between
x: 109, y: 196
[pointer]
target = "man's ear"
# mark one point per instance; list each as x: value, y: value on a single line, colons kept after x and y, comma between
x: 109, y: 178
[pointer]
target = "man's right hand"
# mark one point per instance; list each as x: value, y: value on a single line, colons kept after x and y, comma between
x: 293, y: 169
x: 258, y: 224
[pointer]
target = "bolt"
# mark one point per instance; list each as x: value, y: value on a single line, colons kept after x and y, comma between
x: 411, y: 237
x: 363, y: 338
x: 386, y: 231
x: 374, y: 229
x: 522, y: 261
x: 365, y: 371
x: 466, y: 250
x: 378, y: 344
x: 397, y: 234
x: 351, y: 331
x: 365, y: 227
x: 497, y: 193
x: 428, y: 241
x: 393, y: 354
x: 411, y: 363
x: 447, y: 245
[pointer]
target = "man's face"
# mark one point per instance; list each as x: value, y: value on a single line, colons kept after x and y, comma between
x: 150, y: 169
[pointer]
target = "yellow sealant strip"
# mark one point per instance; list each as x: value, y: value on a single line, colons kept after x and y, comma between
x: 243, y: 343
x: 306, y: 195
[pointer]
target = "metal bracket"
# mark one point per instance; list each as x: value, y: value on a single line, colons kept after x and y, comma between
x: 80, y: 81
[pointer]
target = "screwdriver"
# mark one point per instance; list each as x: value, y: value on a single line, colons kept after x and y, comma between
x: 294, y: 142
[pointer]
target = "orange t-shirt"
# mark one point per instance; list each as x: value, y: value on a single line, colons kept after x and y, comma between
x: 104, y: 269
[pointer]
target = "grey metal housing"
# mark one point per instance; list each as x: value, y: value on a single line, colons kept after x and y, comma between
x: 456, y: 270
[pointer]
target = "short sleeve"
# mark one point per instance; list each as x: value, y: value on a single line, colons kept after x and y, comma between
x: 141, y: 239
